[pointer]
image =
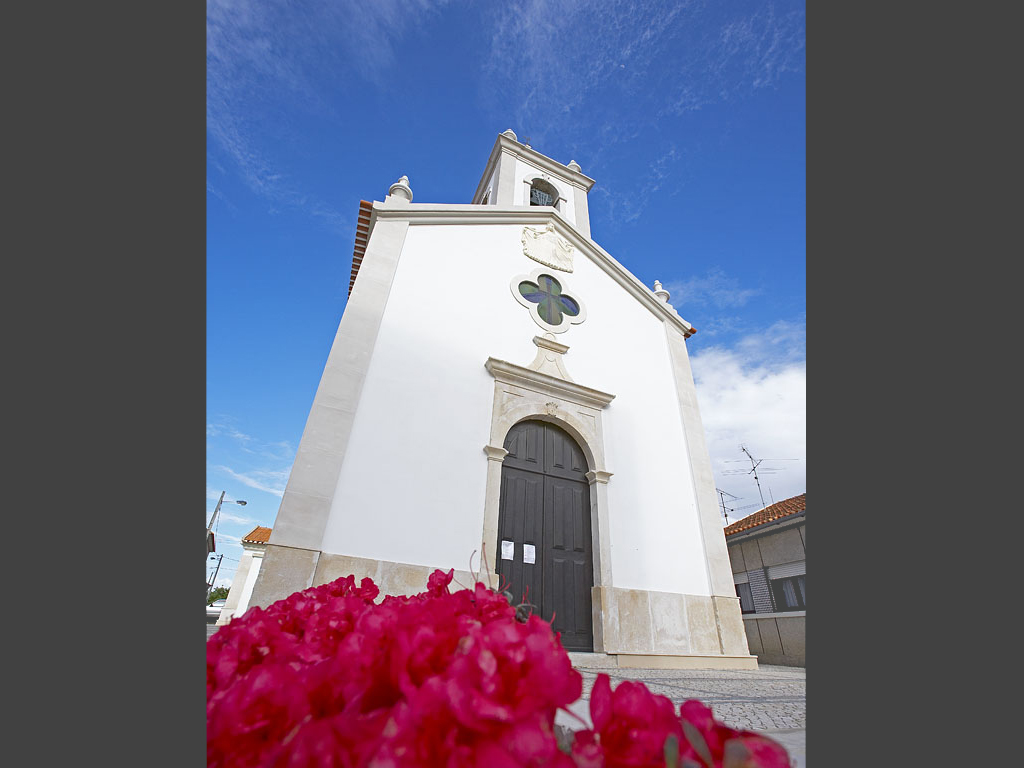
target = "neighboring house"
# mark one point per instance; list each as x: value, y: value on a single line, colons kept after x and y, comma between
x: 254, y: 544
x: 768, y: 550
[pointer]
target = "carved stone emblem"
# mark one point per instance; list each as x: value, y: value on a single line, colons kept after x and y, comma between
x: 548, y: 247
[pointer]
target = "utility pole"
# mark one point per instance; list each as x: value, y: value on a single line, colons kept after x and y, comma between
x: 215, y: 511
x: 209, y: 528
x: 209, y: 587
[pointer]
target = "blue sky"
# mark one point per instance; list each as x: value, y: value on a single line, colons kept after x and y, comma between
x: 689, y: 116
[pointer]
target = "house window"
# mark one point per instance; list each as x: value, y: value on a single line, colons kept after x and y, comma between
x: 542, y: 193
x: 746, y: 599
x: 789, y: 593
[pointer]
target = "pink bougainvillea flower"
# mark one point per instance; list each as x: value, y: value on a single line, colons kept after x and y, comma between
x: 632, y: 726
x: 330, y: 677
x: 760, y: 751
x: 586, y: 750
x: 438, y: 582
x: 631, y: 723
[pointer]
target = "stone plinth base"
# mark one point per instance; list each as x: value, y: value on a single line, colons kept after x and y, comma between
x: 640, y: 628
x: 647, y: 623
x: 600, y: 661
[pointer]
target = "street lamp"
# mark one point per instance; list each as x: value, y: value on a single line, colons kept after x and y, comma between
x: 209, y: 530
x: 217, y: 509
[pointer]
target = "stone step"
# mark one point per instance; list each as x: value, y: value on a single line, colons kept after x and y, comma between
x: 593, y: 660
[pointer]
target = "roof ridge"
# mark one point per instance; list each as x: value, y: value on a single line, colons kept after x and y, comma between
x: 780, y: 509
x: 258, y: 535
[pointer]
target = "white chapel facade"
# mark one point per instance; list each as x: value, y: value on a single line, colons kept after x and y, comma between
x: 499, y: 382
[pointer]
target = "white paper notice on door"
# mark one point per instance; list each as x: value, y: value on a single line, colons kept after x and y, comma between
x: 508, y: 550
x: 529, y: 553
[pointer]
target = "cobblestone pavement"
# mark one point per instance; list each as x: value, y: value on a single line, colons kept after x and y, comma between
x: 770, y: 699
x: 766, y: 698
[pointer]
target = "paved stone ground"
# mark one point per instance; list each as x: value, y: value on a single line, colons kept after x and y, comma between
x: 770, y: 699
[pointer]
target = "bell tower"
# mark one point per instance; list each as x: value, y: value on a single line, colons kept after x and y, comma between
x: 517, y: 175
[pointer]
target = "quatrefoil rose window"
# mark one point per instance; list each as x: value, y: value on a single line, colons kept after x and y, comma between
x: 551, y: 306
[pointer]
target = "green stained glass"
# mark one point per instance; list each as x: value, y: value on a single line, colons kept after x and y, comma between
x: 546, y: 293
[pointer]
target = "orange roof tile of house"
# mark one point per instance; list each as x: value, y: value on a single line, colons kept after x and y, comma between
x: 362, y: 234
x: 258, y: 535
x: 776, y: 511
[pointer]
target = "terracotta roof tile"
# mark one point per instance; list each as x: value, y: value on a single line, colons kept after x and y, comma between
x: 258, y: 535
x: 362, y: 230
x: 776, y: 511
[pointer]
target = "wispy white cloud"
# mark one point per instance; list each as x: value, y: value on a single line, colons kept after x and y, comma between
x: 630, y: 70
x: 764, y: 45
x: 230, y: 517
x: 269, y: 481
x: 754, y: 393
x: 714, y: 289
x: 281, y: 449
x: 216, y: 430
x: 718, y: 326
x: 629, y: 207
x: 561, y: 51
x: 273, y: 57
x: 227, y: 539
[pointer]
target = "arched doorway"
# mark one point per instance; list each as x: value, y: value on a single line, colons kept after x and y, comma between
x: 544, y: 517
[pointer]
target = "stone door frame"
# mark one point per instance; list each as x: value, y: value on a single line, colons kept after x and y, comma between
x: 522, y: 394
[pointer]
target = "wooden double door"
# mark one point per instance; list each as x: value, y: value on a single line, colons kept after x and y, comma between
x: 544, y: 517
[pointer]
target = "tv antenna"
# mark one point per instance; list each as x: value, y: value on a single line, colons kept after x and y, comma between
x: 754, y: 464
x: 726, y: 509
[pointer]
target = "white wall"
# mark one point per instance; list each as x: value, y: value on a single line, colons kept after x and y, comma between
x: 250, y: 580
x: 412, y: 485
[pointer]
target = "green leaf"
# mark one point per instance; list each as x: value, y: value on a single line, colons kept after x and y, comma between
x: 736, y: 755
x: 697, y: 742
x: 672, y: 751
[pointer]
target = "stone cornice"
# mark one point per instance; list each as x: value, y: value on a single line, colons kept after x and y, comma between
x: 532, y: 156
x: 439, y: 213
x: 510, y: 373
